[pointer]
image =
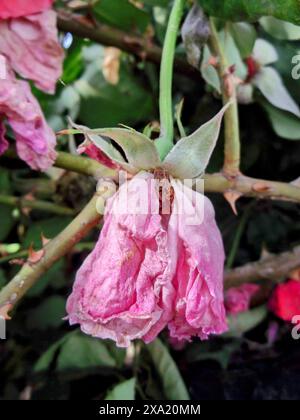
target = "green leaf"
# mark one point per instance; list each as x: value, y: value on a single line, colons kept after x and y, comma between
x: 106, y: 105
x: 245, y: 10
x: 209, y: 72
x: 241, y: 323
x: 54, y: 277
x: 269, y: 82
x: 280, y: 29
x: 47, y: 357
x: 190, y: 156
x: 6, y: 212
x: 285, y: 124
x: 122, y: 14
x: 139, y: 150
x: 125, y: 391
x: 244, y: 35
x: 173, y: 384
x: 49, y: 314
x: 80, y: 351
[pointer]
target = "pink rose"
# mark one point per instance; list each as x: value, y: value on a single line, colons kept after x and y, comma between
x: 237, y: 299
x: 150, y: 270
x: 18, y: 8
x: 35, y: 139
x: 31, y: 46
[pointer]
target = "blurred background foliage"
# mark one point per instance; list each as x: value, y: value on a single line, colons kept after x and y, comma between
x: 43, y: 358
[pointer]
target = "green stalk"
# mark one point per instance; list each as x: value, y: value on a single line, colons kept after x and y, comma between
x: 165, y: 143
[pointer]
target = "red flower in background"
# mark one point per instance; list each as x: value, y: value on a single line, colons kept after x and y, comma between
x: 17, y: 8
x: 285, y: 300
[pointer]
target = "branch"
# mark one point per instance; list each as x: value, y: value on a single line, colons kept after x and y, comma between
x: 216, y: 183
x: 83, y: 165
x: 252, y: 187
x: 231, y: 118
x: 271, y: 268
x: 36, y: 205
x: 83, y: 246
x: 213, y: 183
x: 53, y: 251
x: 136, y: 45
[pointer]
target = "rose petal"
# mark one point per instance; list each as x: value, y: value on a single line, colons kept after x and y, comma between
x: 31, y: 46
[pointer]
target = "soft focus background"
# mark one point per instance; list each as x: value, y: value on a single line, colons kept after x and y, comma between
x: 43, y: 358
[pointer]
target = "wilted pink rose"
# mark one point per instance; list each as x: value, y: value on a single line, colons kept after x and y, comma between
x: 34, y: 138
x: 17, y: 8
x: 238, y: 299
x: 31, y: 46
x: 198, y: 281
x: 136, y: 281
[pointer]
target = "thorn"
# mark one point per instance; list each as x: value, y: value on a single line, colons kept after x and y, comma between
x: 265, y: 254
x: 232, y: 197
x: 45, y: 240
x: 4, y: 311
x: 35, y: 256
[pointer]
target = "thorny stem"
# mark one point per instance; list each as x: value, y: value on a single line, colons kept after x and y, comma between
x: 215, y: 183
x: 36, y: 205
x: 231, y: 118
x: 272, y: 268
x: 83, y: 165
x: 139, y: 46
x: 165, y: 142
x: 83, y: 246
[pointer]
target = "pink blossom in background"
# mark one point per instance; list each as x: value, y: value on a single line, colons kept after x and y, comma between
x: 34, y: 138
x: 149, y: 271
x: 31, y: 46
x: 237, y: 299
x: 17, y: 8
